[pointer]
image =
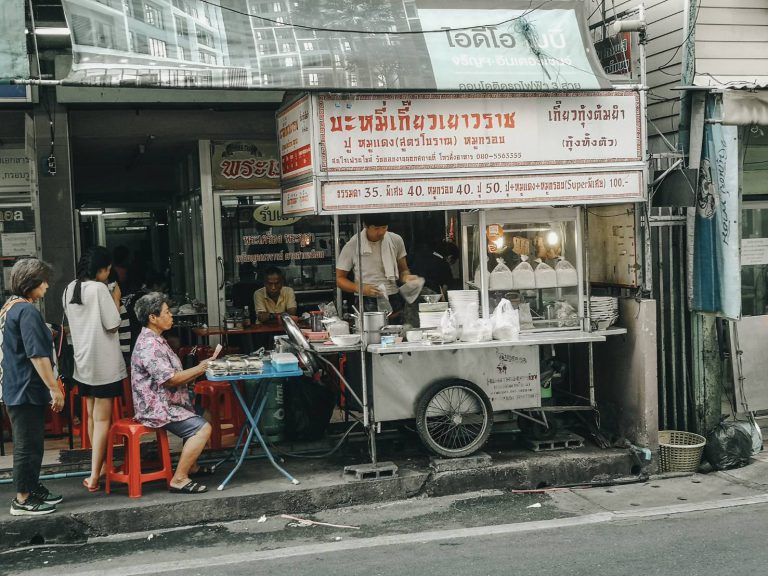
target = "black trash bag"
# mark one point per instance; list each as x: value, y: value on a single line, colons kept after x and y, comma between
x: 728, y: 446
x: 308, y: 408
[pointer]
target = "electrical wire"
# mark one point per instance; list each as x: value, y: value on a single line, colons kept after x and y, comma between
x: 375, y: 32
x: 683, y: 43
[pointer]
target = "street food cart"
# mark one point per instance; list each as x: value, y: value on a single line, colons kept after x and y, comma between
x: 515, y: 164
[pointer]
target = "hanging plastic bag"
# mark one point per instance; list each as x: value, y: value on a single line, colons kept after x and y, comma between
x: 566, y: 314
x: 545, y: 275
x: 505, y: 321
x: 566, y: 273
x: 522, y: 275
x: 410, y: 290
x: 382, y: 300
x: 526, y: 319
x: 728, y: 446
x: 448, y: 329
x: 501, y: 277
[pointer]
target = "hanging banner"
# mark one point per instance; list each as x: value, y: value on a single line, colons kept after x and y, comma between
x: 716, y: 263
x: 244, y: 165
x: 333, y: 45
x: 14, y: 62
x: 374, y: 133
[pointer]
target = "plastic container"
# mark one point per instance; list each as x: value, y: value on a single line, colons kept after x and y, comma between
x: 284, y: 362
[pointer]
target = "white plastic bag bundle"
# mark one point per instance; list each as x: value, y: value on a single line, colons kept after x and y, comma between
x: 479, y: 330
x: 505, y: 321
x: 523, y: 275
x: 566, y: 273
x: 448, y: 329
x: 501, y: 277
x: 545, y: 275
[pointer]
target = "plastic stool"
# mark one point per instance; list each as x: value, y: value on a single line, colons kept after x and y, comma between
x: 130, y: 472
x: 218, y: 398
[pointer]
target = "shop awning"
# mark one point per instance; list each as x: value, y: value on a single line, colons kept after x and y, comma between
x: 337, y: 45
x: 14, y: 63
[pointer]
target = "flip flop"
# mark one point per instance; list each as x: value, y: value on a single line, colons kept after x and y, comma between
x: 190, y: 487
x: 91, y: 488
x: 202, y: 471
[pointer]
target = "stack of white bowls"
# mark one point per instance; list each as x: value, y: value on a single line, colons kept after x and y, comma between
x: 465, y: 305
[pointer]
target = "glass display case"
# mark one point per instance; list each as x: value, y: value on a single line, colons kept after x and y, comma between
x: 533, y: 257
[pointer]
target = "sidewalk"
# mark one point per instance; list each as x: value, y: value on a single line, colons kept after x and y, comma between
x: 258, y: 489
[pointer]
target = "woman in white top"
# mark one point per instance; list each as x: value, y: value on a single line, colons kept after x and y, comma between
x: 94, y: 320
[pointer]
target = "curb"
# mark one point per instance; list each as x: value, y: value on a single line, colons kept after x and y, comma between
x: 526, y: 473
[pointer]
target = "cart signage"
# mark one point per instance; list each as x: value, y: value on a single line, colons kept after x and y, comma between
x: 409, y: 133
x: 514, y: 380
x: 299, y: 200
x: 294, y: 132
x: 486, y: 191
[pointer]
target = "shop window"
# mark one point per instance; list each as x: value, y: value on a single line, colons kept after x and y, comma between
x: 181, y: 27
x: 289, y: 62
x: 205, y: 38
x: 309, y: 46
x: 207, y: 58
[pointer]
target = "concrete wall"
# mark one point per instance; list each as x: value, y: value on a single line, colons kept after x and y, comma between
x: 625, y: 375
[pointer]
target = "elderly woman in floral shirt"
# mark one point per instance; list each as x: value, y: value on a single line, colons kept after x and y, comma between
x: 160, y: 396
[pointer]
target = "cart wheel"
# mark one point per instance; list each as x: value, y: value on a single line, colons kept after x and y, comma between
x: 454, y: 418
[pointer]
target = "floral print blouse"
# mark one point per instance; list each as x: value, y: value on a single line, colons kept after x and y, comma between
x: 153, y: 363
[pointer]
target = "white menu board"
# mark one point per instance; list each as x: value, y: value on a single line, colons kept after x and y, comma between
x: 18, y: 244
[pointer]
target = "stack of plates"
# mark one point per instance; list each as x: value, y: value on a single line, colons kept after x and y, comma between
x: 604, y: 310
x: 430, y: 319
x: 465, y: 305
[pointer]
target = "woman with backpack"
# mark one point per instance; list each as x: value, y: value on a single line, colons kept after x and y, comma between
x: 94, y: 319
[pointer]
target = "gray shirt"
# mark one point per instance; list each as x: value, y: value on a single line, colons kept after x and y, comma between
x: 96, y: 343
x: 373, y: 266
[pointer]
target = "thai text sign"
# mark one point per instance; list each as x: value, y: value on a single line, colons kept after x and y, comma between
x: 244, y: 165
x: 483, y: 190
x: 491, y: 131
x: 299, y: 200
x: 14, y: 169
x: 294, y: 131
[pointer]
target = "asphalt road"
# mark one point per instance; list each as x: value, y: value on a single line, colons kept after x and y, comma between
x: 479, y: 534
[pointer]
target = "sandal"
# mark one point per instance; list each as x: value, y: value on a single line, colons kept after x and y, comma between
x: 91, y: 488
x: 190, y: 487
x: 202, y: 471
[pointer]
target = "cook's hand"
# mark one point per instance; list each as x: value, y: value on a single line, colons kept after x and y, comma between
x: 370, y: 290
x: 57, y: 400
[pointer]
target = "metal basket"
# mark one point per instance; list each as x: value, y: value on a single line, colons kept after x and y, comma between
x: 680, y: 451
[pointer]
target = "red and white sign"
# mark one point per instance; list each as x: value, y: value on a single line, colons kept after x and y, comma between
x: 299, y: 200
x: 440, y: 133
x: 482, y: 191
x: 294, y: 129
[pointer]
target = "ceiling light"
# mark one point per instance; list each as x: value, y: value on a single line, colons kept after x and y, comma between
x: 52, y: 31
x: 552, y: 239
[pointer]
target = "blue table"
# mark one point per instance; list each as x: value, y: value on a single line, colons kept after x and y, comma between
x: 253, y: 414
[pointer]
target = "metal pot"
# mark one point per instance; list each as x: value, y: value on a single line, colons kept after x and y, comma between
x: 374, y: 322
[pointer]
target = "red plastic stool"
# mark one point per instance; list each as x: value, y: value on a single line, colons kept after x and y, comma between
x: 130, y: 472
x: 219, y: 400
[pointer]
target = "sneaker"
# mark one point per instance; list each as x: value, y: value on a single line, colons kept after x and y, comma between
x: 46, y: 495
x: 32, y: 507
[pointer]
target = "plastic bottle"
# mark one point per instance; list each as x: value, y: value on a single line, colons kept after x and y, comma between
x: 246, y: 317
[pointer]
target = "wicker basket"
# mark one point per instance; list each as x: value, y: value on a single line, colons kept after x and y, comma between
x: 680, y: 451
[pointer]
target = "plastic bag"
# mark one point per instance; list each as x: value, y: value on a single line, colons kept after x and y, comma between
x: 545, y: 275
x: 505, y: 321
x: 526, y: 318
x: 479, y: 330
x: 566, y: 314
x: 728, y: 446
x: 501, y: 277
x: 410, y: 290
x: 566, y: 273
x: 382, y: 300
x: 523, y: 275
x: 448, y: 329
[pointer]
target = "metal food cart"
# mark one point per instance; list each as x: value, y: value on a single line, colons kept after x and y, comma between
x: 454, y: 389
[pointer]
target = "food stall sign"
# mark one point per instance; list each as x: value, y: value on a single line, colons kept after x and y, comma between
x: 270, y: 214
x: 244, y: 165
x: 450, y: 133
x: 299, y: 200
x: 294, y: 129
x: 483, y: 191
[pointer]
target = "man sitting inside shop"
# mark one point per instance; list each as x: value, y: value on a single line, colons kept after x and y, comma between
x: 274, y: 298
x: 383, y: 263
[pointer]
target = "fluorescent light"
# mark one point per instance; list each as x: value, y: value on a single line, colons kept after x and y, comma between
x: 52, y: 31
x: 91, y: 212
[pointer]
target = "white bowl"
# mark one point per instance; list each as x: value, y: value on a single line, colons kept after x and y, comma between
x: 346, y: 339
x: 414, y: 335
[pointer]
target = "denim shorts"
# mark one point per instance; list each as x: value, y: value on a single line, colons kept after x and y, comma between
x: 185, y: 429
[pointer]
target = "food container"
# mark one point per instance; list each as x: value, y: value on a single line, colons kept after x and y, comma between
x: 346, y: 339
x: 218, y: 368
x: 284, y: 362
x: 253, y: 365
x: 236, y: 365
x: 336, y: 327
x: 414, y: 335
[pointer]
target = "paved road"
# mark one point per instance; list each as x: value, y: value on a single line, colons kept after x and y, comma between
x: 474, y: 534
